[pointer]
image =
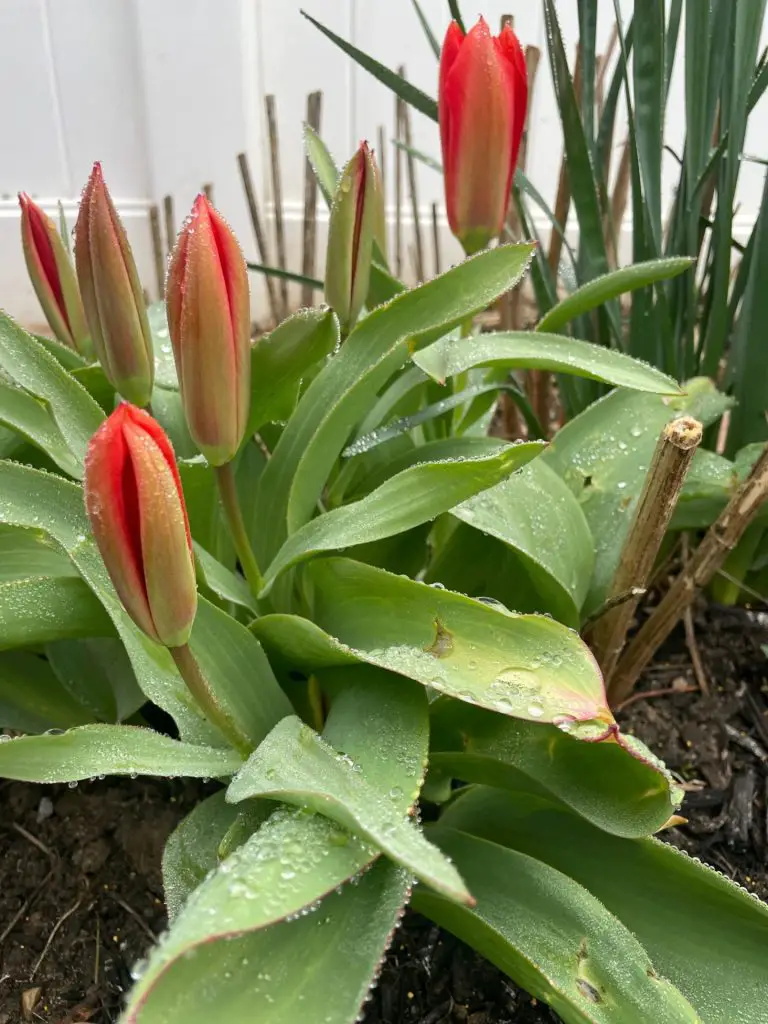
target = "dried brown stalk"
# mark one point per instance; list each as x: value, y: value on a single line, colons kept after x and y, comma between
x: 720, y: 539
x: 277, y: 196
x: 170, y: 223
x: 157, y: 249
x: 382, y: 141
x: 405, y: 116
x: 208, y: 191
x: 674, y: 450
x: 399, y: 183
x: 309, y: 241
x: 258, y: 230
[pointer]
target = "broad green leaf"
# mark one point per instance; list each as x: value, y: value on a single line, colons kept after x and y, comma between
x: 297, y: 644
x: 610, y: 286
x: 27, y: 362
x: 36, y: 611
x: 345, y: 389
x: 603, y: 455
x: 701, y: 931
x: 617, y: 784
x: 527, y: 666
x: 31, y: 697
x: 427, y: 29
x: 295, y: 859
x: 97, y: 672
x: 536, y: 515
x: 320, y: 963
x: 552, y: 937
x: 323, y: 164
x: 399, y: 85
x: 534, y: 350
x: 406, y: 500
x: 226, y: 584
x: 68, y: 357
x: 297, y: 766
x: 165, y: 367
x: 29, y: 417
x: 279, y: 360
x: 26, y: 554
x: 91, y: 750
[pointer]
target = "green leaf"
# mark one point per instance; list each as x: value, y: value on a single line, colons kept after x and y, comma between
x: 295, y: 859
x: 31, y: 697
x: 536, y: 515
x: 399, y: 85
x: 226, y: 584
x: 609, y: 286
x: 414, y: 496
x: 603, y: 455
x: 649, y: 94
x: 97, y: 672
x: 92, y: 750
x: 165, y: 367
x: 701, y: 931
x: 457, y: 645
x: 617, y: 783
x: 534, y: 350
x: 331, y: 958
x: 419, y: 154
x: 552, y: 937
x: 68, y: 357
x: 297, y: 766
x: 297, y: 644
x: 26, y: 554
x: 323, y: 164
x: 29, y: 418
x: 430, y: 35
x: 27, y: 362
x: 344, y: 390
x: 285, y: 275
x: 279, y: 361
x: 36, y: 611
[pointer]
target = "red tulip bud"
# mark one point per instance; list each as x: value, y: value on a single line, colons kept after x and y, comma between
x: 350, y: 237
x: 52, y: 276
x: 210, y: 328
x: 483, y: 94
x: 135, y: 503
x: 112, y: 294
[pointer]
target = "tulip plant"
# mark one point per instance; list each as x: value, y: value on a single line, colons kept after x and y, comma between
x: 360, y: 615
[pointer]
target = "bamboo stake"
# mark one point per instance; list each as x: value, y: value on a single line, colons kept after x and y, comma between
x: 721, y: 538
x: 382, y: 139
x: 277, y: 197
x: 208, y: 191
x: 258, y: 230
x: 411, y: 165
x: 398, y: 184
x: 309, y: 242
x: 436, y: 239
x: 675, y: 448
x: 170, y: 222
x: 157, y: 249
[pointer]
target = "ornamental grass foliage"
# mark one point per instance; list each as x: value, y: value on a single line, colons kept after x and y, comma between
x: 355, y: 604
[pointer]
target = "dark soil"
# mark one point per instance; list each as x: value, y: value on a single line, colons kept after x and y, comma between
x: 81, y: 893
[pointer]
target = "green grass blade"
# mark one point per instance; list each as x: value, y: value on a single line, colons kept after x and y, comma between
x: 427, y: 28
x: 453, y: 6
x: 648, y: 81
x: 588, y: 42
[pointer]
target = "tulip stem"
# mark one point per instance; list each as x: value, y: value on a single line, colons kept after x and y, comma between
x: 198, y: 686
x: 225, y: 478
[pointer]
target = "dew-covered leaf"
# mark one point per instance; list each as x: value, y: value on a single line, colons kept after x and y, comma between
x: 98, y: 673
x: 31, y: 697
x: 39, y: 610
x: 31, y: 420
x: 226, y: 584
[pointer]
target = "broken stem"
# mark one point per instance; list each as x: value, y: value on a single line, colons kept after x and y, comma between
x: 720, y: 539
x: 674, y: 450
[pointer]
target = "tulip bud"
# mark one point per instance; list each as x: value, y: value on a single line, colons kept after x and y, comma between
x: 52, y: 275
x: 210, y: 327
x: 350, y: 238
x: 135, y: 503
x: 112, y: 294
x: 482, y: 100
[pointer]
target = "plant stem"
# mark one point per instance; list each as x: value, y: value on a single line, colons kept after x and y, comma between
x: 225, y: 479
x: 721, y: 538
x: 674, y: 450
x: 198, y: 686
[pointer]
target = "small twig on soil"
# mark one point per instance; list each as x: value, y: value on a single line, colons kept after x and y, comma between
x: 674, y: 450
x: 720, y: 539
x: 668, y: 691
x: 747, y: 743
x: 97, y: 952
x: 34, y: 840
x: 136, y: 916
x: 693, y: 650
x: 258, y: 230
x: 54, y: 930
x: 24, y: 908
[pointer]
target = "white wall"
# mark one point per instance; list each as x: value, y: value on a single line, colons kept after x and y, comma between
x: 166, y: 93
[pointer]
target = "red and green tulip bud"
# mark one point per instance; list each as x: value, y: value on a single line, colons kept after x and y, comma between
x: 350, y: 238
x: 209, y: 321
x: 52, y: 276
x: 135, y: 503
x: 482, y: 100
x: 112, y: 294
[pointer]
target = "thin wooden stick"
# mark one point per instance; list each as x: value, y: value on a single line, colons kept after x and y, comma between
x: 382, y: 142
x: 399, y: 184
x: 170, y: 223
x: 258, y: 230
x: 721, y: 538
x: 411, y: 165
x: 277, y: 196
x: 157, y: 249
x: 208, y: 191
x: 675, y: 448
x: 436, y: 239
x: 314, y: 105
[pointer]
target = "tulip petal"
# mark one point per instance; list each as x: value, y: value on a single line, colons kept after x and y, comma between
x: 454, y: 37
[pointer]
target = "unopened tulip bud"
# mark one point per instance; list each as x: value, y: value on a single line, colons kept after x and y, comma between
x: 210, y: 327
x: 350, y: 238
x: 482, y: 100
x: 112, y: 294
x: 135, y: 503
x: 52, y: 276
